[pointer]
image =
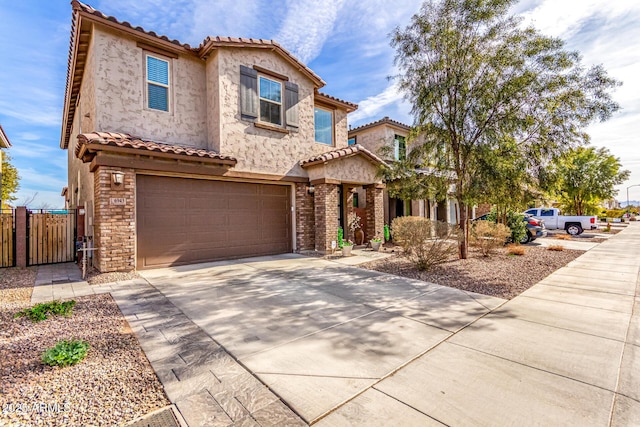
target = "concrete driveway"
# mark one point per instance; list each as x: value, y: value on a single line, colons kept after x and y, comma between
x: 316, y: 332
x: 344, y: 346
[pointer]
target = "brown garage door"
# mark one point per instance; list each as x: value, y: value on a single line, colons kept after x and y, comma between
x: 185, y: 221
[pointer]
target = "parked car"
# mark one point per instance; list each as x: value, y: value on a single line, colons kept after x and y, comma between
x: 535, y: 227
x: 573, y: 225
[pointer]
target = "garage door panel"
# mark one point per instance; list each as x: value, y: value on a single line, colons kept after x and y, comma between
x: 209, y: 202
x: 182, y: 221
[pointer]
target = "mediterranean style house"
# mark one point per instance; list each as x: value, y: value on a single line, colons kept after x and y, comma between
x: 181, y: 154
x: 393, y: 134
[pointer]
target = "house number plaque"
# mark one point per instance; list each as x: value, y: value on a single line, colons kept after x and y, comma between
x: 118, y: 201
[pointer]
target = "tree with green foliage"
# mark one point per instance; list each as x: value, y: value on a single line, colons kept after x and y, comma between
x: 10, y: 181
x: 480, y: 86
x: 583, y: 177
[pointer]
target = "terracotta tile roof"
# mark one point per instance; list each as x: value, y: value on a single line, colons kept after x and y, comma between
x: 211, y: 43
x: 382, y: 121
x: 76, y: 5
x: 126, y: 141
x: 342, y: 153
x: 349, y: 106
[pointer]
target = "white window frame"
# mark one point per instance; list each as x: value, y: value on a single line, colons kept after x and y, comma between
x: 396, y: 146
x: 333, y: 120
x: 148, y: 82
x: 280, y: 104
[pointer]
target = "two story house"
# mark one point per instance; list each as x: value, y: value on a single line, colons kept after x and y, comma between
x: 390, y: 136
x: 181, y: 154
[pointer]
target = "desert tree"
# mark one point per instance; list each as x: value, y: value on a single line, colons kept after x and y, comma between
x: 585, y: 176
x: 480, y: 84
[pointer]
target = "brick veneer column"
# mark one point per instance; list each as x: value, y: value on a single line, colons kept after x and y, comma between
x: 114, y: 224
x: 375, y: 211
x: 305, y: 219
x: 326, y: 216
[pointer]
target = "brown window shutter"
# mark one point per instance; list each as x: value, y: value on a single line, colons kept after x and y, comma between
x: 248, y: 92
x: 291, y: 104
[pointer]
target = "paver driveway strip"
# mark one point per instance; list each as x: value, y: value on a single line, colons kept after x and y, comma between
x: 316, y: 332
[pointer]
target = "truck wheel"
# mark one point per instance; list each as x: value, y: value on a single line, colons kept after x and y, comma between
x: 526, y: 239
x: 573, y: 229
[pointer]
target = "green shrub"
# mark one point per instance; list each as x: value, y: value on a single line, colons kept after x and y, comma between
x: 340, y: 237
x: 66, y: 353
x: 515, y: 222
x: 387, y: 233
x: 40, y: 311
x: 488, y: 236
x: 424, y: 242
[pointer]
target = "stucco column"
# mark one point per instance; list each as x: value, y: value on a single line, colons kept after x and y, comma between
x: 348, y: 202
x: 114, y: 220
x: 375, y: 211
x: 326, y: 216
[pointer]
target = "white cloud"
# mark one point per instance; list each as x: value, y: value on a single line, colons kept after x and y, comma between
x: 376, y: 105
x: 307, y: 26
x: 28, y: 136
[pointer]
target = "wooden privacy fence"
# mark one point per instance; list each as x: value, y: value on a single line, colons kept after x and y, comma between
x: 7, y: 238
x: 51, y: 237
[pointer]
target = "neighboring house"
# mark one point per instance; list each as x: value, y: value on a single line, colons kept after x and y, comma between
x: 4, y: 143
x: 393, y: 135
x: 181, y: 155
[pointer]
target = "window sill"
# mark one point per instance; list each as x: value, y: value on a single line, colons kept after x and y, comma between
x: 261, y: 125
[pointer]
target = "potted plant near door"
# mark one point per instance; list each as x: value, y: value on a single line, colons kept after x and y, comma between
x: 355, y: 225
x: 376, y: 242
x: 347, y: 245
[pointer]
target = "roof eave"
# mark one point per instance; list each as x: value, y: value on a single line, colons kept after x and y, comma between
x: 4, y: 140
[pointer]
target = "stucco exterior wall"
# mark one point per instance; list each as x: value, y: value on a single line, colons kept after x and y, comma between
x: 341, y: 128
x: 354, y: 170
x: 79, y: 177
x: 373, y: 139
x: 213, y: 103
x: 120, y: 85
x: 261, y: 150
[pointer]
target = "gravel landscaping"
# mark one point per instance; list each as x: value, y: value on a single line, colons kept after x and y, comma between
x: 112, y: 386
x: 16, y: 286
x: 94, y: 277
x: 501, y: 275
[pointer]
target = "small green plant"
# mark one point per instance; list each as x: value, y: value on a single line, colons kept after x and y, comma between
x: 41, y: 311
x: 347, y: 243
x: 340, y: 237
x: 377, y: 240
x: 65, y: 353
x: 387, y: 233
x: 607, y: 229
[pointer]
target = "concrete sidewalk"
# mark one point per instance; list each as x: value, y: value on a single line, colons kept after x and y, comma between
x: 565, y: 352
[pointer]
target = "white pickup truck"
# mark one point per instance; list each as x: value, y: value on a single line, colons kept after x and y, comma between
x: 573, y: 225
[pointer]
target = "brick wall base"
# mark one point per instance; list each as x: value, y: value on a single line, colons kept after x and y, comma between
x: 305, y: 219
x: 114, y: 220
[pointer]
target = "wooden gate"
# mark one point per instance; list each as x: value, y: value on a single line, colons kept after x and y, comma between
x: 7, y: 238
x: 52, y: 236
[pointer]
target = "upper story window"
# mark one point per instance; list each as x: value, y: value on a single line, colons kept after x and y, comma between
x: 352, y: 141
x: 157, y: 83
x: 270, y: 101
x: 399, y: 147
x: 323, y: 120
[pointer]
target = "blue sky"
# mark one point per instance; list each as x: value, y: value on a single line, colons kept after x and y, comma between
x: 345, y: 41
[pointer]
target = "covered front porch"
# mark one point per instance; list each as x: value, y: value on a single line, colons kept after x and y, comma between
x: 336, y: 181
